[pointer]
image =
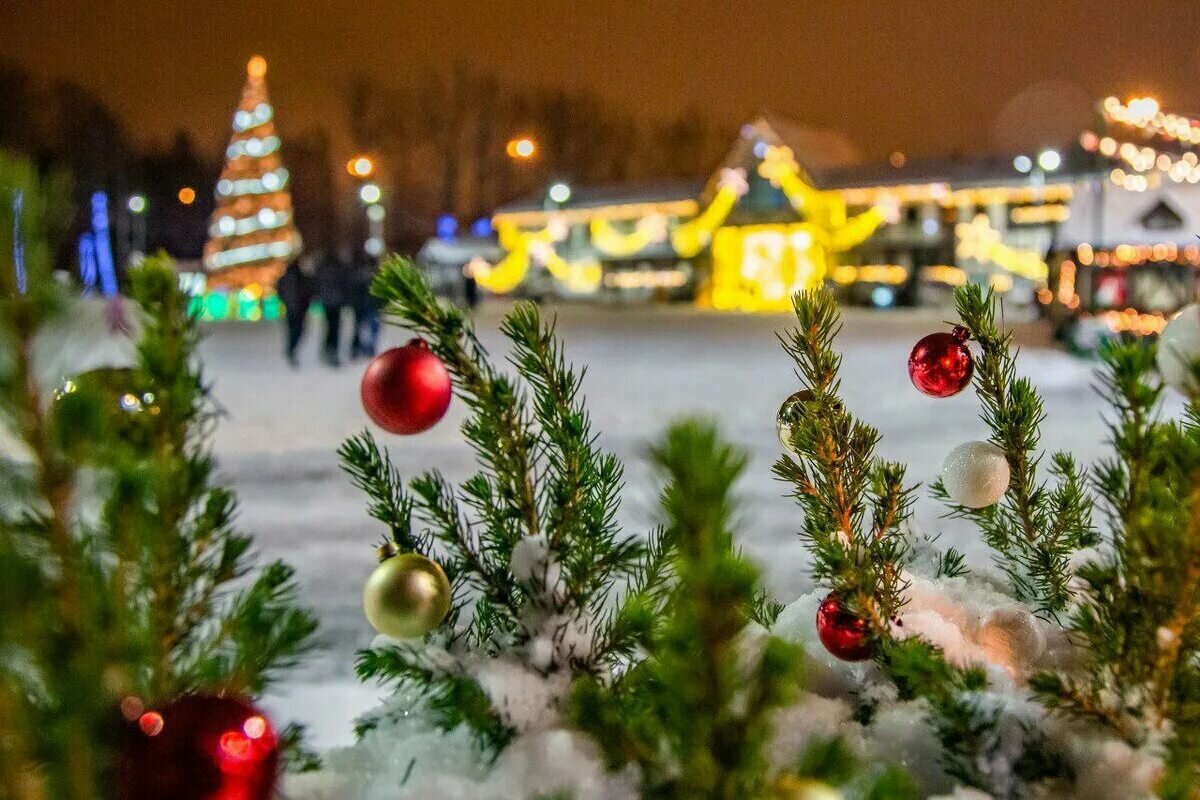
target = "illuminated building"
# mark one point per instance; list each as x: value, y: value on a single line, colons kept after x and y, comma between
x: 790, y: 207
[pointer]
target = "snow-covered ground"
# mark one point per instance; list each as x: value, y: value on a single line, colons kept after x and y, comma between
x: 645, y: 367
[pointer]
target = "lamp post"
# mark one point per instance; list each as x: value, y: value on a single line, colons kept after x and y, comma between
x: 137, y: 215
x: 372, y: 197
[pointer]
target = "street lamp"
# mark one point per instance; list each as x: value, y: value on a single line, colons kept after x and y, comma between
x: 360, y: 167
x: 1023, y: 163
x: 1049, y: 160
x: 137, y: 210
x: 521, y: 148
x: 560, y: 193
x: 370, y: 193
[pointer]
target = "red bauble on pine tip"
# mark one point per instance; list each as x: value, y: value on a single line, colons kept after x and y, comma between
x: 197, y: 747
x: 406, y: 389
x: 941, y: 364
x: 844, y: 633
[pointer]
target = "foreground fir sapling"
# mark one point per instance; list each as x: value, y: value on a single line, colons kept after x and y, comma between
x: 529, y: 544
x: 697, y: 714
x: 124, y: 584
x: 1138, y: 619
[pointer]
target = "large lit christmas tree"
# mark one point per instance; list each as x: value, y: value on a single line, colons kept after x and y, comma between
x: 252, y: 233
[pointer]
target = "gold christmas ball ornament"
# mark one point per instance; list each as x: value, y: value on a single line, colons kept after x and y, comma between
x: 407, y: 595
x: 790, y: 413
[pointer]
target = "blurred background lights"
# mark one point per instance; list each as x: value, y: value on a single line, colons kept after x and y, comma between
x: 137, y: 204
x: 370, y: 193
x: 521, y: 147
x: 360, y: 166
x: 1022, y: 163
x: 256, y: 67
x: 187, y: 195
x: 560, y: 192
x: 1049, y: 160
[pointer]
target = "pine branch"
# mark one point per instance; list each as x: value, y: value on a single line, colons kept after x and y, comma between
x: 1034, y: 530
x: 836, y: 477
x: 371, y: 470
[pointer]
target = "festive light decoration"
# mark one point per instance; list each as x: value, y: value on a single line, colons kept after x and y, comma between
x: 759, y: 267
x: 407, y: 595
x: 406, y: 390
x: 251, y: 233
x: 610, y: 241
x: 979, y: 240
x: 647, y: 279
x: 844, y: 634
x: 941, y: 364
x: 525, y: 248
x: 975, y: 474
x: 1037, y: 215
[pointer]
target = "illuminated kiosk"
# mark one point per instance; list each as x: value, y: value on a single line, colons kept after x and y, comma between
x: 790, y: 207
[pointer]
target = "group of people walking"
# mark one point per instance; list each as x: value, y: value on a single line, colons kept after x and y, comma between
x: 339, y: 284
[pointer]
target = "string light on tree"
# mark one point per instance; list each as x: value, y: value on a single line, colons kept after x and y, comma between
x: 252, y: 234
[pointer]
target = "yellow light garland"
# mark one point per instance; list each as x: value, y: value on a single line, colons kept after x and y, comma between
x: 979, y: 240
x: 612, y: 242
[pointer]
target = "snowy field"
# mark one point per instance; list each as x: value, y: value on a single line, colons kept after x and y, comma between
x: 645, y: 367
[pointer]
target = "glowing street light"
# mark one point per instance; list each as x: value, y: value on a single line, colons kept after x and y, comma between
x: 522, y: 148
x: 136, y: 204
x: 560, y: 192
x: 1049, y: 160
x: 370, y: 193
x: 360, y: 167
x: 187, y: 195
x: 1022, y: 163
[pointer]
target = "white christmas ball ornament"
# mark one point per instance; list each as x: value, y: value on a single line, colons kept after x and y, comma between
x: 1012, y: 636
x: 1179, y: 350
x: 975, y: 474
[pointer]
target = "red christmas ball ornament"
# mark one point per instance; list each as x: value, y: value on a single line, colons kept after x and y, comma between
x: 198, y: 747
x: 406, y: 389
x: 940, y: 364
x: 844, y: 633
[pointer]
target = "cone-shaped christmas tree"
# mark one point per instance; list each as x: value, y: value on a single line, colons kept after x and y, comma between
x: 251, y: 235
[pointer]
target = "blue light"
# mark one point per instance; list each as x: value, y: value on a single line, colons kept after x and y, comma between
x: 929, y: 226
x: 760, y: 149
x: 101, y: 245
x: 447, y: 226
x: 481, y: 228
x: 87, y: 262
x: 882, y: 297
x: 18, y: 206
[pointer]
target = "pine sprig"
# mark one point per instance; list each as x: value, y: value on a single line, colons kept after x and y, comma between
x: 837, y: 479
x: 1035, y: 529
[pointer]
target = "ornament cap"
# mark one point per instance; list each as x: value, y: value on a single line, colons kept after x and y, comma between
x: 960, y: 333
x: 385, y: 551
x: 417, y: 341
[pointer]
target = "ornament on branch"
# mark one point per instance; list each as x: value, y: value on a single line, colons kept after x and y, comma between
x: 407, y: 389
x: 845, y: 634
x: 407, y: 596
x: 197, y: 747
x: 1179, y: 350
x: 1011, y: 636
x: 790, y: 413
x: 941, y: 364
x: 975, y: 474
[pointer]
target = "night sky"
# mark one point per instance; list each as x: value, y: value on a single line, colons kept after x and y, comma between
x: 919, y: 77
